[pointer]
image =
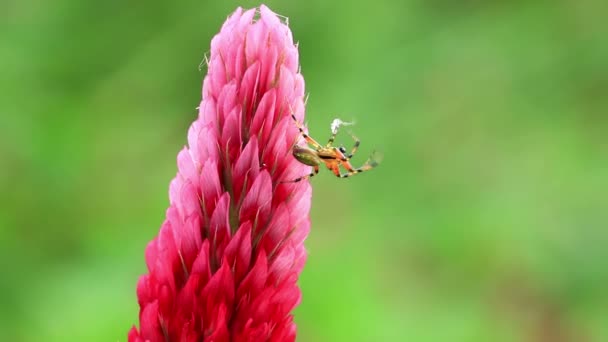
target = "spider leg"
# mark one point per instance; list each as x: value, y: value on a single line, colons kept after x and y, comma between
x: 335, y: 168
x: 309, y: 140
x: 312, y: 174
x: 333, y: 137
x: 355, y: 147
x: 369, y: 164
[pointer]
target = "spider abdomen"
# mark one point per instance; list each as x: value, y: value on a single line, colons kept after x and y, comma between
x: 306, y: 156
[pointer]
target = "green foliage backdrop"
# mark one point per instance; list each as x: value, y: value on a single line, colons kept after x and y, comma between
x: 487, y: 220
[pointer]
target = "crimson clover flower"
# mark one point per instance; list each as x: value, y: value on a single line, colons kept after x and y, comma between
x: 226, y: 260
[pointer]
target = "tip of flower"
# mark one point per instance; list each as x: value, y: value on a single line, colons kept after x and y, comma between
x: 271, y: 17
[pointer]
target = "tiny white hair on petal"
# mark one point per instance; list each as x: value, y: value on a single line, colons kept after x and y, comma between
x: 335, y: 125
x: 204, y: 62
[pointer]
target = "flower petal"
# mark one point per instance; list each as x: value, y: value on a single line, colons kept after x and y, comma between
x: 256, y: 205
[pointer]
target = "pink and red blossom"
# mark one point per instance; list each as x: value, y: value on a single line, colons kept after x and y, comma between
x: 226, y: 260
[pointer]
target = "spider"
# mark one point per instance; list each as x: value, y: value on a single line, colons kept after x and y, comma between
x: 332, y: 157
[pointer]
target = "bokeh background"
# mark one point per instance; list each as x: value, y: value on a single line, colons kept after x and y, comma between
x: 487, y: 221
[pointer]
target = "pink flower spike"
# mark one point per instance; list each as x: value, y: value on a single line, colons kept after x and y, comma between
x: 225, y: 263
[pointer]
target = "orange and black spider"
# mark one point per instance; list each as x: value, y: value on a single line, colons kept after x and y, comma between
x: 332, y: 157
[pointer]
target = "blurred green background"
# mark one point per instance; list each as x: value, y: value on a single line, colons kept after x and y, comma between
x: 487, y: 221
